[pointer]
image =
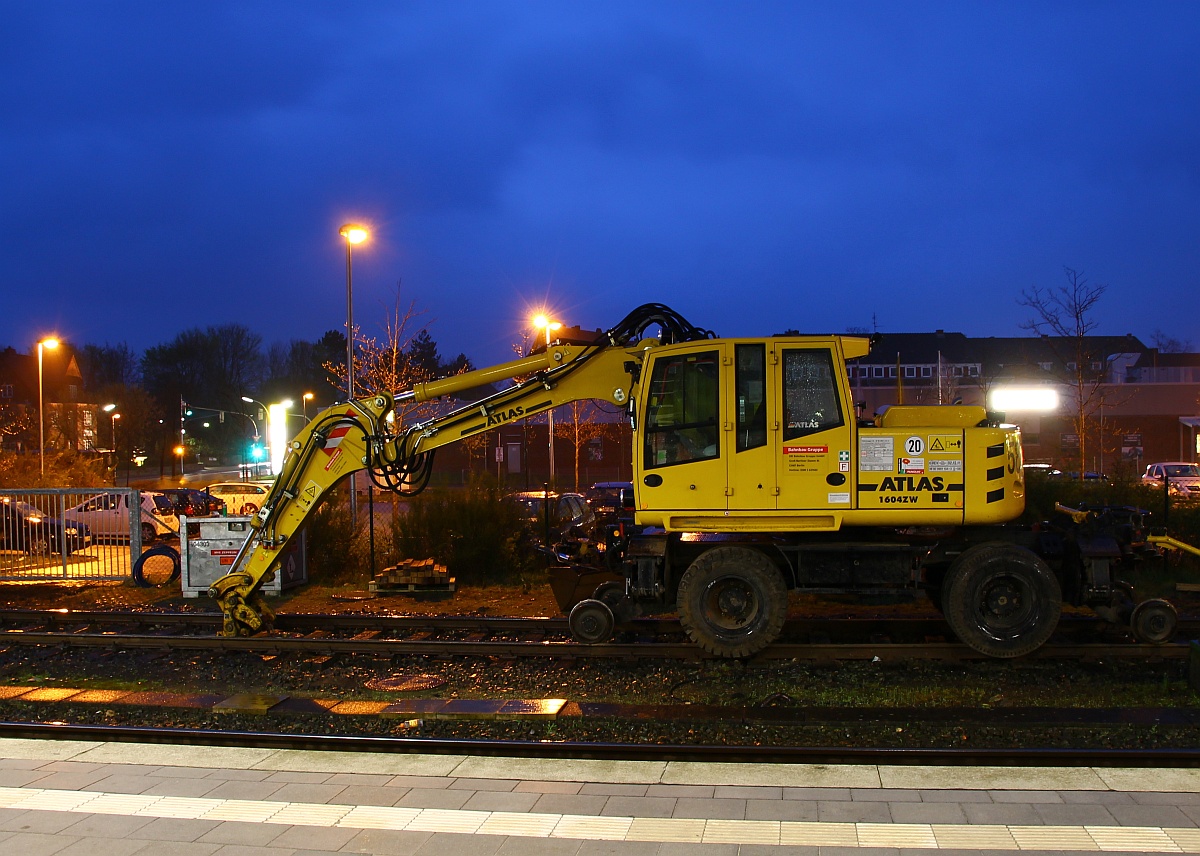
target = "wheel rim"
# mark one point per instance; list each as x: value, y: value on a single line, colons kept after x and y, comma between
x: 731, y: 605
x: 249, y: 508
x: 1007, y: 605
x: 1154, y: 622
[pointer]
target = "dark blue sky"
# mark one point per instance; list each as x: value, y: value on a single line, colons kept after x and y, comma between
x: 756, y: 166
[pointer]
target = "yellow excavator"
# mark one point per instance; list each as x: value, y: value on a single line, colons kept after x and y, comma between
x: 753, y: 476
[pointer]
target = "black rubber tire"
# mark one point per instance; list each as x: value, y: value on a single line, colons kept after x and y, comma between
x: 1001, y: 600
x: 39, y: 546
x: 139, y: 567
x: 149, y: 533
x: 732, y: 601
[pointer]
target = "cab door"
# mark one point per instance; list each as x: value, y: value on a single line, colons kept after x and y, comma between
x: 815, y: 438
x: 681, y: 465
x: 753, y: 448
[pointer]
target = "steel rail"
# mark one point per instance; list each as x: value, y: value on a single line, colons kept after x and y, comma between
x: 1017, y: 757
x: 307, y: 622
x: 275, y: 644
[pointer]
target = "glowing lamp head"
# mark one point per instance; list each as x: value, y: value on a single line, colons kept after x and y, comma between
x: 354, y: 233
x: 1042, y: 399
x: 49, y: 344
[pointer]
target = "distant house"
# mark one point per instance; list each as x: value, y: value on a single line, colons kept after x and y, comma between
x: 1142, y: 402
x: 70, y: 422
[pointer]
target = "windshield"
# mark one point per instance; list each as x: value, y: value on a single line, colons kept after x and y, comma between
x: 1189, y: 471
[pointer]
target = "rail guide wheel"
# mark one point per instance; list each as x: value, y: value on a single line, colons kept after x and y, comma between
x: 591, y: 621
x: 1154, y: 621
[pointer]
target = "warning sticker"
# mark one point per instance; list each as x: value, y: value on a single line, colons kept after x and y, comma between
x: 875, y: 454
x: 310, y: 493
x: 910, y: 465
x: 935, y: 465
x: 839, y: 498
x: 946, y: 443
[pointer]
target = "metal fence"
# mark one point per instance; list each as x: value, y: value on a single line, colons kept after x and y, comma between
x: 72, y: 533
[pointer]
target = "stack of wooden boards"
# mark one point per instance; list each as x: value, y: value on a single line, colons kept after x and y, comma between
x: 413, y: 575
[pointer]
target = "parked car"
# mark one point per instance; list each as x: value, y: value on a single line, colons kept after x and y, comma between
x: 240, y: 498
x: 611, y: 502
x: 194, y: 503
x: 1181, y: 477
x: 26, y: 528
x: 570, y: 518
x: 107, y: 515
x: 1042, y: 470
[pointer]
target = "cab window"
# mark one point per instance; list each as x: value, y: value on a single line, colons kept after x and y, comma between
x: 750, y: 388
x: 683, y: 410
x: 810, y: 399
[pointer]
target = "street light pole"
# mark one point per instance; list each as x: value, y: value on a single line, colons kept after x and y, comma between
x: 354, y: 234
x: 304, y: 400
x: 50, y: 344
x: 543, y: 321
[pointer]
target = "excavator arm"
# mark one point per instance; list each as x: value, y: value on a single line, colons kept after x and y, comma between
x: 358, y: 435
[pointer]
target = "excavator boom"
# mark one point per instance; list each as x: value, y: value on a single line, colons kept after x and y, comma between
x: 357, y: 435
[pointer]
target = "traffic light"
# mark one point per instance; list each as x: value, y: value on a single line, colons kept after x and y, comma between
x: 257, y: 452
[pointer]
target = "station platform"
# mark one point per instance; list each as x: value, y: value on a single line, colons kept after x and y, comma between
x: 72, y: 797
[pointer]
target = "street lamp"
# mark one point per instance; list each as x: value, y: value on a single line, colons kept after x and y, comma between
x: 354, y: 234
x: 49, y: 344
x: 550, y: 326
x: 109, y: 408
x: 304, y: 400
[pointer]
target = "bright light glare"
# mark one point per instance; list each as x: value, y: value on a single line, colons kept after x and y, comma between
x: 109, y: 408
x: 277, y: 434
x: 1030, y: 399
x: 49, y: 344
x: 354, y: 234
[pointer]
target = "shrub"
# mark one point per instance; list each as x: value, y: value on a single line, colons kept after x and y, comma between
x: 478, y: 536
x: 330, y: 539
x: 63, y: 469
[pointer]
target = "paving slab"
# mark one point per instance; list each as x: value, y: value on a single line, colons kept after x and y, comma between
x: 994, y: 778
x: 49, y: 750
x: 783, y: 775
x: 362, y: 762
x: 1159, y: 779
x: 570, y: 770
x: 175, y: 756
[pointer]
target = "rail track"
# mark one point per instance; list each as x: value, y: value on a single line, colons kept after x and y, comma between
x: 507, y: 637
x: 1049, y: 757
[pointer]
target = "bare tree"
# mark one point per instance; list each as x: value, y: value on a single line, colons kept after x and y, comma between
x: 1065, y: 316
x: 581, y: 426
x: 1169, y: 344
x: 404, y: 356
